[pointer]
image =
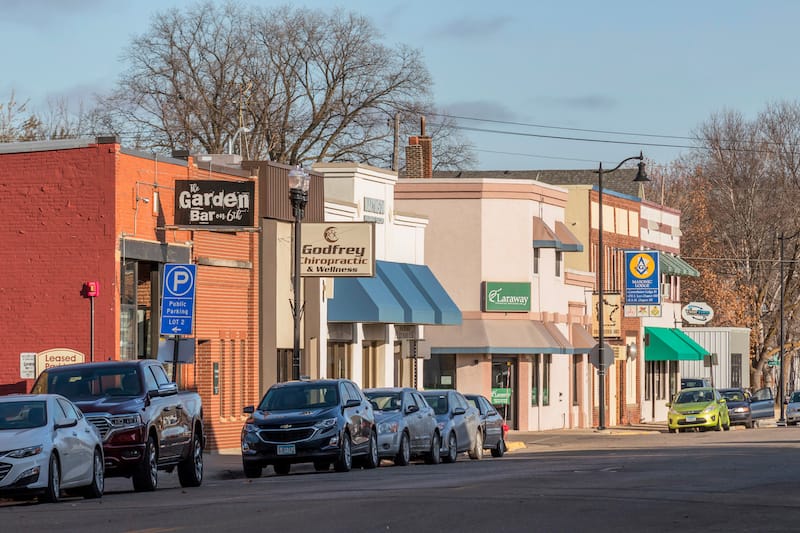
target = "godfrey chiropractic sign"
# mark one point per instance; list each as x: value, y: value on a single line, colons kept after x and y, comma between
x: 506, y: 296
x: 214, y: 203
x: 337, y: 249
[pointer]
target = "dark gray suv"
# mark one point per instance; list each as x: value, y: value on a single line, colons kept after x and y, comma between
x: 326, y: 421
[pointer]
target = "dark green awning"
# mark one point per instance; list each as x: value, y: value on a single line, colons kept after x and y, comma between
x: 671, y: 344
x: 672, y: 265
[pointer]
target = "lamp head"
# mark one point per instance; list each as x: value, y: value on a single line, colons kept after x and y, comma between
x: 641, y: 174
x: 299, y: 179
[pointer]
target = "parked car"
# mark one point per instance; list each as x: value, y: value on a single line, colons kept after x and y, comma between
x: 146, y: 424
x: 407, y: 425
x: 493, y: 426
x: 747, y: 409
x: 688, y: 383
x: 793, y: 409
x: 458, y: 422
x: 48, y: 446
x: 698, y: 407
x: 320, y: 421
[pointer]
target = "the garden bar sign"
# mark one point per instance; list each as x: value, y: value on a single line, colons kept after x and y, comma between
x: 214, y: 203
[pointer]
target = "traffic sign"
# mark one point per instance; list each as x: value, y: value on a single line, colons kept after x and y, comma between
x: 177, y: 299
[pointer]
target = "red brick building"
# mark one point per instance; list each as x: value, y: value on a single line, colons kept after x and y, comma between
x: 77, y: 211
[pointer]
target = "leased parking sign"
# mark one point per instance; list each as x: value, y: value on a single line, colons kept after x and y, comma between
x: 177, y: 299
x: 642, y: 277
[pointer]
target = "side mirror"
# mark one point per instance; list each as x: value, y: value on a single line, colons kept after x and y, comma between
x: 459, y: 411
x: 249, y: 410
x: 352, y: 403
x: 167, y: 389
x: 723, y: 400
x: 412, y: 409
x: 68, y: 423
x: 668, y: 404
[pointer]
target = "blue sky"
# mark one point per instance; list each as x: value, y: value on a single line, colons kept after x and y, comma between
x: 654, y: 68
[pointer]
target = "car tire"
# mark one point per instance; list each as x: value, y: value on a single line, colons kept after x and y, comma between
x: 372, y: 460
x: 345, y: 460
x: 452, y: 449
x: 500, y: 449
x: 145, y: 478
x: 403, y: 456
x: 476, y: 453
x: 251, y: 470
x: 434, y: 456
x: 95, y: 488
x: 190, y: 470
x: 672, y: 430
x: 282, y: 469
x: 749, y: 424
x: 52, y: 494
x: 718, y: 427
x: 322, y: 466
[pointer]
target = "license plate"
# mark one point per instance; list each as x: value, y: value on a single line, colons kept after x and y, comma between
x: 286, y: 449
x: 688, y: 419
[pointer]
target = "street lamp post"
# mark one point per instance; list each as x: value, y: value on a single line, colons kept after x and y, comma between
x: 641, y: 176
x: 298, y: 194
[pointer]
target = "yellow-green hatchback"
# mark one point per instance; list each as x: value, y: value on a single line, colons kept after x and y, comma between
x: 701, y: 407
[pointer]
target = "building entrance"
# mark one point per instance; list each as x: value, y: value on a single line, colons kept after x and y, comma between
x: 504, y: 388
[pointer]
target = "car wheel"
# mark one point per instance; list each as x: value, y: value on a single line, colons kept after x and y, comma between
x: 452, y: 449
x: 95, y: 488
x: 345, y: 460
x: 434, y: 456
x: 282, y: 469
x: 251, y: 470
x: 403, y: 456
x: 718, y: 427
x: 500, y: 449
x: 53, y: 491
x: 321, y: 466
x: 145, y: 478
x: 476, y: 453
x: 672, y: 430
x: 372, y: 460
x: 727, y: 425
x: 749, y: 424
x: 190, y: 470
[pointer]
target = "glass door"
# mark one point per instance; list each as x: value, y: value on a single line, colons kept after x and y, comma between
x: 504, y: 388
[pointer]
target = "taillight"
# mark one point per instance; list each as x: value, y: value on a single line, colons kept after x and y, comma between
x: 505, y: 429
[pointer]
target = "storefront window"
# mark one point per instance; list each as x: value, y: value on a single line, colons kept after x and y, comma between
x: 439, y: 372
x: 547, y: 360
x: 576, y: 382
x: 535, y: 381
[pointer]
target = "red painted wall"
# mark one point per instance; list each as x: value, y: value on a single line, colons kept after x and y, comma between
x: 58, y: 232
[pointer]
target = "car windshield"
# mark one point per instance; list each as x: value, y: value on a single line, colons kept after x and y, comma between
x: 689, y: 383
x: 795, y: 397
x: 438, y: 402
x: 385, y: 401
x: 695, y: 396
x: 292, y: 397
x: 734, y: 395
x: 22, y: 415
x: 90, y: 383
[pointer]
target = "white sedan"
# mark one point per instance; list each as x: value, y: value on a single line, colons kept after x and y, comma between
x: 46, y: 446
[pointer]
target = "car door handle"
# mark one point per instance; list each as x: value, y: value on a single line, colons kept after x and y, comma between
x: 179, y: 406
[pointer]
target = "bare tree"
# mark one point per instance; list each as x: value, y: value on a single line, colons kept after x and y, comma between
x: 739, y: 194
x: 307, y: 85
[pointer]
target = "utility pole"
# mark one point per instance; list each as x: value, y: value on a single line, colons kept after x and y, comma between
x: 396, y: 153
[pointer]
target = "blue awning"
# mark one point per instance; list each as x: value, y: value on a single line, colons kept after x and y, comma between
x: 445, y: 309
x: 400, y: 293
x: 364, y: 300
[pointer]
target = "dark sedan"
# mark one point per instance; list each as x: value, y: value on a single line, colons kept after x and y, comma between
x: 738, y: 407
x: 321, y: 421
x: 492, y: 425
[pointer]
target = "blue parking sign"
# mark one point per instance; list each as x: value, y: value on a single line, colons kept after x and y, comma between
x: 642, y: 277
x: 177, y: 299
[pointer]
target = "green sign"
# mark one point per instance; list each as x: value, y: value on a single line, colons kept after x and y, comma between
x: 506, y: 297
x: 501, y: 396
x: 773, y: 362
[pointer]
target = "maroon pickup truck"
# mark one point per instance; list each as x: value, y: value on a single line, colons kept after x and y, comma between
x: 146, y: 424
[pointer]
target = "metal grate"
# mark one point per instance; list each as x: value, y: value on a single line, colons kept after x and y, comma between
x: 102, y: 423
x: 285, y: 435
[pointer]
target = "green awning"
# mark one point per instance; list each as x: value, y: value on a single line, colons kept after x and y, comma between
x: 671, y: 344
x: 672, y: 265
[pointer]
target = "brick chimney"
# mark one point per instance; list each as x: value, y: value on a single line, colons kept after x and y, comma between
x: 419, y: 155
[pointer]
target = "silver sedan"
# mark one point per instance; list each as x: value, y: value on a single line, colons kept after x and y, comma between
x: 407, y: 425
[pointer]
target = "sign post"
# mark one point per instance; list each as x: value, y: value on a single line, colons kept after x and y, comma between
x: 177, y: 305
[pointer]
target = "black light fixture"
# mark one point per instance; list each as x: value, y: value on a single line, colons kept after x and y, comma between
x: 641, y: 176
x: 299, y: 181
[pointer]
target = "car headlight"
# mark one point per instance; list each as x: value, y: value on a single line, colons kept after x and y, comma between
x: 325, y: 424
x: 126, y: 421
x: 250, y: 428
x: 710, y: 409
x: 25, y: 452
x: 387, y: 427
